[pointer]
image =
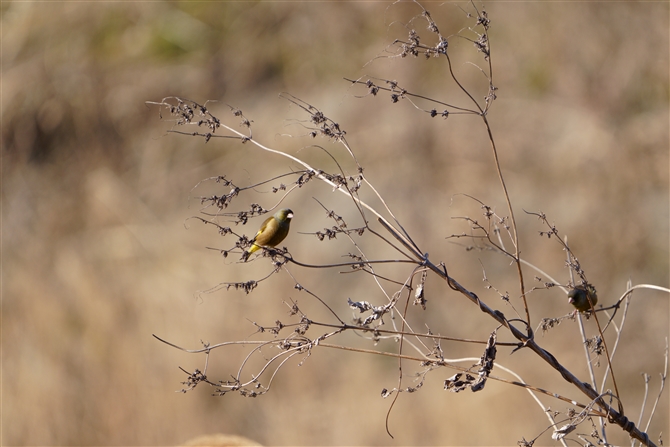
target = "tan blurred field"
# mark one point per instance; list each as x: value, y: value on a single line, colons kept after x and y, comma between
x: 98, y: 252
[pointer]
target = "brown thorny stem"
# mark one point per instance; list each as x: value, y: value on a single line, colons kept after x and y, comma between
x: 525, y: 340
x: 614, y: 416
x: 483, y: 113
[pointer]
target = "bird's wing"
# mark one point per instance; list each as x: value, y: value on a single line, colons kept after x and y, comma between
x: 263, y: 227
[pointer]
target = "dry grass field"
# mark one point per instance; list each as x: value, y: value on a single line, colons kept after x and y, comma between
x: 99, y: 251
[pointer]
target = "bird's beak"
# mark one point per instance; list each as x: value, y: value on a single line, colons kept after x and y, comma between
x: 289, y: 216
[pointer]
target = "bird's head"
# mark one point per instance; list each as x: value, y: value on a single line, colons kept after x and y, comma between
x: 284, y: 215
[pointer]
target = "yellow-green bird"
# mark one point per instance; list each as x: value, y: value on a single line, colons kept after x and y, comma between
x: 272, y: 232
x: 580, y: 295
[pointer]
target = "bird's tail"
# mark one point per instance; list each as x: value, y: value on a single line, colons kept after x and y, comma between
x: 246, y: 254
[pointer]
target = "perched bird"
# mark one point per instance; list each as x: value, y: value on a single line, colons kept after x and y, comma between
x: 272, y: 232
x: 580, y: 296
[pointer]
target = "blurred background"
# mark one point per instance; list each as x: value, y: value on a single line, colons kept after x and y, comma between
x: 99, y: 253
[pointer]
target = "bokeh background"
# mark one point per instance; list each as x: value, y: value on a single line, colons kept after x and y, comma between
x: 98, y: 252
